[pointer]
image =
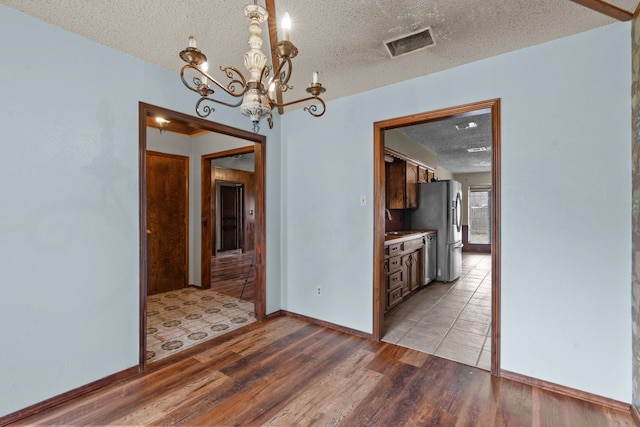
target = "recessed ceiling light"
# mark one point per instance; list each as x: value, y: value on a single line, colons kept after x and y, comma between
x: 477, y: 149
x: 469, y: 125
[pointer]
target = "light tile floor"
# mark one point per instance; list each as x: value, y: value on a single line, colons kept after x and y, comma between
x: 450, y: 320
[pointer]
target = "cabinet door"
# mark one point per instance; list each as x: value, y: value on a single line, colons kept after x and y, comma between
x: 407, y: 267
x: 395, y: 184
x: 430, y: 175
x: 422, y: 174
x: 412, y: 266
x: 411, y: 185
x: 416, y: 270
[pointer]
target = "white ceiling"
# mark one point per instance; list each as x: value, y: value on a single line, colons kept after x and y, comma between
x: 343, y: 40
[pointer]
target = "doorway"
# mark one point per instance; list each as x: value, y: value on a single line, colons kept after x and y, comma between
x: 380, y: 211
x: 229, y: 224
x: 188, y: 125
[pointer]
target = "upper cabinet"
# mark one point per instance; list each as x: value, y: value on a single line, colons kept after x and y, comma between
x: 423, y: 175
x: 402, y: 184
x: 402, y: 178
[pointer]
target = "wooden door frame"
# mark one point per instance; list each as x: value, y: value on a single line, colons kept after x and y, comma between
x: 207, y: 228
x: 379, y: 288
x: 186, y: 203
x: 241, y: 235
x: 259, y: 147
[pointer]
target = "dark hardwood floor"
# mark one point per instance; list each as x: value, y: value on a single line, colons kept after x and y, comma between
x: 288, y: 372
x: 228, y: 274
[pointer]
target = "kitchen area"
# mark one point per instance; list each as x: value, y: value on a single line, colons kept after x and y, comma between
x: 438, y: 292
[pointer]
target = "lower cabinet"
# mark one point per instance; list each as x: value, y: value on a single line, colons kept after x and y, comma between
x: 414, y: 269
x: 395, y: 277
x: 404, y: 267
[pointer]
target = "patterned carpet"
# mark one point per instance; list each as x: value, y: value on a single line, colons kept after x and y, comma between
x: 180, y: 319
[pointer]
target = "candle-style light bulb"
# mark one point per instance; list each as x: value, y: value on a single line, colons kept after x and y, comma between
x: 315, y: 77
x: 286, y: 27
x: 192, y: 42
x: 204, y: 67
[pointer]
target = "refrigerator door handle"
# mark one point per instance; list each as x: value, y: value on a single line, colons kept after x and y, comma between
x: 456, y: 212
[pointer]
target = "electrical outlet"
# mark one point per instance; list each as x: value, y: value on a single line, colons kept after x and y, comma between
x: 363, y: 200
x: 319, y: 291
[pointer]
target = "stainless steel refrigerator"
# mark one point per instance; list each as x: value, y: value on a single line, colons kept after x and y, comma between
x: 440, y: 208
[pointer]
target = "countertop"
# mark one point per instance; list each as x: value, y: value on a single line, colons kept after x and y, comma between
x: 406, y: 235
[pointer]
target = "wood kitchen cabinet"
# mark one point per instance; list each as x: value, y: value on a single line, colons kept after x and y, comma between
x: 425, y: 174
x: 404, y: 268
x: 395, y: 280
x: 413, y: 264
x: 422, y: 174
x: 402, y: 184
x: 413, y: 269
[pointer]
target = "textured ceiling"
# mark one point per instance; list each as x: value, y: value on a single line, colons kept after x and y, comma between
x: 451, y: 144
x: 343, y: 40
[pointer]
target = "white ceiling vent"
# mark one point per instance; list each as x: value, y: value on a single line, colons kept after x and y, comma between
x: 412, y: 42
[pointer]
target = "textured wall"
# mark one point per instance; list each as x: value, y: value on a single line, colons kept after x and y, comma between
x: 635, y: 94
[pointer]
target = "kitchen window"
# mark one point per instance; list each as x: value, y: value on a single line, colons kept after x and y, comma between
x: 479, y: 215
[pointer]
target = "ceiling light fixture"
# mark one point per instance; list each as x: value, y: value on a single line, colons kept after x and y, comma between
x: 259, y: 94
x: 469, y: 125
x: 162, y: 123
x: 477, y: 149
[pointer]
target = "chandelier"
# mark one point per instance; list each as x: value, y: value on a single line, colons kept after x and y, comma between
x: 260, y: 93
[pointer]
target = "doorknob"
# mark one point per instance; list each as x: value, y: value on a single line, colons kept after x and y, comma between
x: 148, y: 231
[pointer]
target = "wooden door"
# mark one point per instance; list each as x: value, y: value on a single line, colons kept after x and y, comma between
x: 231, y: 217
x: 167, y: 222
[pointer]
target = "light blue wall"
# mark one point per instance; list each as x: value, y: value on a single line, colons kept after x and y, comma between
x: 69, y: 206
x: 566, y: 189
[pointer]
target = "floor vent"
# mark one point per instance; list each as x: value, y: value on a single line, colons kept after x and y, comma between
x: 412, y: 42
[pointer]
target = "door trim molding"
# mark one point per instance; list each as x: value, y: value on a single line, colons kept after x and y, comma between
x: 259, y: 148
x: 379, y: 290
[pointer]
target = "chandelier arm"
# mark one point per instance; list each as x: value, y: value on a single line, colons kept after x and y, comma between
x: 281, y: 71
x: 230, y: 88
x: 312, y: 109
x: 264, y: 73
x: 206, y: 109
x: 184, y: 81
